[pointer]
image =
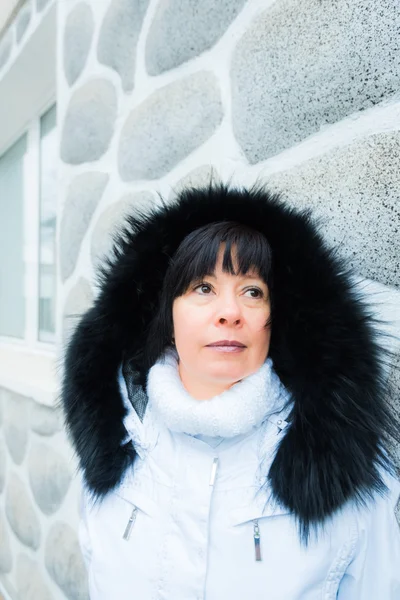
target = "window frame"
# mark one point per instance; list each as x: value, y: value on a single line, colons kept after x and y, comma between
x: 31, y: 236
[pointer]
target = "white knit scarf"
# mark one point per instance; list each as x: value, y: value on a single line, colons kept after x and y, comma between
x: 236, y: 411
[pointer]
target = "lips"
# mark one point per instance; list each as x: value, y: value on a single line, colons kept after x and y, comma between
x: 228, y: 343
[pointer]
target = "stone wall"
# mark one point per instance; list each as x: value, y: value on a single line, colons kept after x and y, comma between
x: 39, y: 504
x: 303, y: 95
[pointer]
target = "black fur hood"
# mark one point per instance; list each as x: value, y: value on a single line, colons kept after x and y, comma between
x: 323, y: 346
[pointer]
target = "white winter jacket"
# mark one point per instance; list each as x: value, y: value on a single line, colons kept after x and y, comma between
x: 186, y: 523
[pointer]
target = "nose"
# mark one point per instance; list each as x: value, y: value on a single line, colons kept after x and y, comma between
x: 228, y: 311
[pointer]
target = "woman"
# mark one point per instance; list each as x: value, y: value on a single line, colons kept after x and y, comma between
x: 225, y: 396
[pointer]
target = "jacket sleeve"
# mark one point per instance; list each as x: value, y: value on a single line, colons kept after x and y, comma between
x: 374, y: 571
x: 83, y: 531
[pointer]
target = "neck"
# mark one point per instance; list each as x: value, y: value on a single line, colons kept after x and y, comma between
x: 201, y: 389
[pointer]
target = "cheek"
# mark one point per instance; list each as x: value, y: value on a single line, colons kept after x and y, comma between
x: 261, y: 333
x: 185, y: 319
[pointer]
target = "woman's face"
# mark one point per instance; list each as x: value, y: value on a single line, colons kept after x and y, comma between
x: 221, y: 307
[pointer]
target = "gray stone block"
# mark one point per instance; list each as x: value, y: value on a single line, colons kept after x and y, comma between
x: 89, y: 122
x: 168, y: 126
x: 16, y: 419
x: 6, y: 561
x: 354, y: 190
x: 79, y: 299
x: 200, y: 26
x: 112, y: 219
x: 64, y: 562
x: 6, y: 43
x: 41, y: 4
x: 3, y: 465
x: 83, y: 196
x: 78, y: 34
x: 31, y: 585
x: 200, y: 177
x: 21, y: 513
x: 302, y: 65
x: 45, y: 420
x: 118, y: 38
x: 49, y: 477
x: 23, y: 21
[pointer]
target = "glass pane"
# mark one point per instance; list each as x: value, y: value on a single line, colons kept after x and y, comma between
x: 47, y: 226
x: 12, y: 269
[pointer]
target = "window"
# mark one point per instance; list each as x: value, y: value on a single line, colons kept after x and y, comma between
x: 28, y: 208
x: 47, y: 226
x: 12, y: 271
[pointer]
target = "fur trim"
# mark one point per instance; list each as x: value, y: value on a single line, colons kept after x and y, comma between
x: 323, y: 346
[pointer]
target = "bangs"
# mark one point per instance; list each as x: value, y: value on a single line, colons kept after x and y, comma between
x: 196, y: 257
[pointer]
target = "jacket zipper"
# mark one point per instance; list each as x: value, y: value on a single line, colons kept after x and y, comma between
x: 213, y: 471
x: 256, y: 534
x: 130, y: 524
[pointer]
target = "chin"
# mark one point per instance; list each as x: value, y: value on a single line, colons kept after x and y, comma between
x: 226, y: 373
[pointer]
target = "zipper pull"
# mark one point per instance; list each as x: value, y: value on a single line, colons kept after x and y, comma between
x: 130, y: 524
x: 213, y: 471
x: 257, y: 540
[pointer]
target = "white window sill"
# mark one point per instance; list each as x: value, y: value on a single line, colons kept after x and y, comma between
x: 29, y: 372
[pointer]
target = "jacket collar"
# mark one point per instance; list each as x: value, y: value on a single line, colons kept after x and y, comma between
x: 323, y: 347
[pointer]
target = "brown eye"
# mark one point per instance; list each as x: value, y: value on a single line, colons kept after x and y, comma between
x: 203, y: 288
x: 255, y: 293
